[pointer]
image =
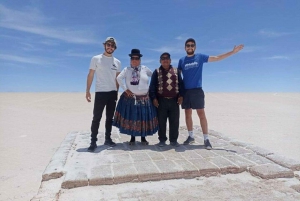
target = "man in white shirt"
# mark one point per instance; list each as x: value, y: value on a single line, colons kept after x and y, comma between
x: 106, y: 68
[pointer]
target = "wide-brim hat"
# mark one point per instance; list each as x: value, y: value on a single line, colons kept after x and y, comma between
x: 135, y: 52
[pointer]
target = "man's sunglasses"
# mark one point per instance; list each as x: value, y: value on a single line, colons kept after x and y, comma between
x: 110, y: 45
x: 190, y: 45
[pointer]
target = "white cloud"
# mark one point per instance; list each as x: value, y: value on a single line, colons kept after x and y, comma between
x: 164, y: 49
x: 20, y: 59
x: 32, y: 21
x: 277, y: 58
x: 75, y: 54
x: 273, y: 34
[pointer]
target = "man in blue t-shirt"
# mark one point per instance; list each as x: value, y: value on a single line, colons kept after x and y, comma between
x: 191, y: 66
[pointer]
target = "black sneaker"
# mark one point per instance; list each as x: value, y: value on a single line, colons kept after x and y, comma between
x: 207, y: 144
x: 161, y: 144
x: 174, y: 144
x: 109, y: 142
x: 92, y: 147
x: 189, y: 140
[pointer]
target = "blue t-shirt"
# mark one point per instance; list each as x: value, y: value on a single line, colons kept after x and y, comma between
x: 191, y: 68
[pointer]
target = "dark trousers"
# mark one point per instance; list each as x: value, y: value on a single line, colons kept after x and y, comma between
x: 168, y: 109
x: 108, y: 100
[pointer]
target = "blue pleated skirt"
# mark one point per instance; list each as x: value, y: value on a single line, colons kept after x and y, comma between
x: 136, y: 116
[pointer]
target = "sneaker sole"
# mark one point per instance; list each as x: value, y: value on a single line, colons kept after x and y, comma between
x: 192, y: 142
x: 111, y: 145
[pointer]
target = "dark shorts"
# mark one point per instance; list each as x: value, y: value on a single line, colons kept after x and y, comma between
x: 193, y: 99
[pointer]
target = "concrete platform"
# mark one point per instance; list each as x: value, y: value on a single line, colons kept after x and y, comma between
x: 72, y: 166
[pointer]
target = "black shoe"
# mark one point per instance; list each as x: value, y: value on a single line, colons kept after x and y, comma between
x: 92, y: 147
x: 161, y: 144
x: 189, y: 140
x: 174, y: 144
x: 109, y: 142
x: 207, y: 144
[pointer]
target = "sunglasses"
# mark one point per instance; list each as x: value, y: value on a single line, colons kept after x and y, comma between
x: 110, y: 45
x: 190, y: 45
x: 135, y: 58
x: 164, y: 58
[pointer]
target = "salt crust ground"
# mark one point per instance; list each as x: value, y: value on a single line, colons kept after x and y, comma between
x: 231, y: 187
x: 32, y: 126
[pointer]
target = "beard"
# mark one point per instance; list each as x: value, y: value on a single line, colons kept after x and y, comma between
x: 109, y: 51
x: 190, y: 52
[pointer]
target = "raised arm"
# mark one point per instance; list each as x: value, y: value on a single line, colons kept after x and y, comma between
x: 236, y: 49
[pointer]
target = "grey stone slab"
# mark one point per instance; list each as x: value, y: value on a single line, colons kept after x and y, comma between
x: 223, y: 151
x: 225, y: 165
x: 259, y: 150
x: 297, y: 174
x: 55, y: 168
x: 257, y: 159
x: 204, y: 153
x: 121, y: 158
x: 296, y: 187
x: 169, y: 169
x: 156, y: 155
x: 124, y: 172
x: 190, y: 154
x: 219, y: 143
x: 205, y: 167
x: 101, y: 175
x: 271, y: 171
x: 104, y: 159
x: 219, y: 135
x: 120, y: 148
x: 240, y: 143
x: 172, y: 155
x: 239, y: 150
x: 140, y: 157
x: 284, y: 161
x: 215, y: 133
x: 240, y: 161
x: 74, y: 179
x: 147, y: 171
x: 189, y: 169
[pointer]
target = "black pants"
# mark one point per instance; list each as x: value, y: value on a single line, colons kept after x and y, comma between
x: 108, y: 100
x: 168, y: 109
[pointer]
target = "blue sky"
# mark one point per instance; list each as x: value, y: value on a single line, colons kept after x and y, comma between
x: 46, y: 46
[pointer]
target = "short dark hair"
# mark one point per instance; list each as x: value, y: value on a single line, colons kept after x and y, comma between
x: 190, y: 40
x: 165, y: 53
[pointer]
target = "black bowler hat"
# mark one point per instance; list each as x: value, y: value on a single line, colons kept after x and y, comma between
x: 135, y: 52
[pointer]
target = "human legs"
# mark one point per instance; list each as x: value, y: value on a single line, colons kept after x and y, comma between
x: 173, y: 115
x: 110, y: 109
x: 99, y: 105
x: 204, y: 126
x: 188, y: 119
x: 194, y: 99
x: 203, y: 120
x: 162, y: 114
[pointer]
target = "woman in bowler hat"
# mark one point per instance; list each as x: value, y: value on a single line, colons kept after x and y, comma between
x: 135, y: 114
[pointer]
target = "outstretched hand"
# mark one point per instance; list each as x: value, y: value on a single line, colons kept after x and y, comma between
x: 237, y: 48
